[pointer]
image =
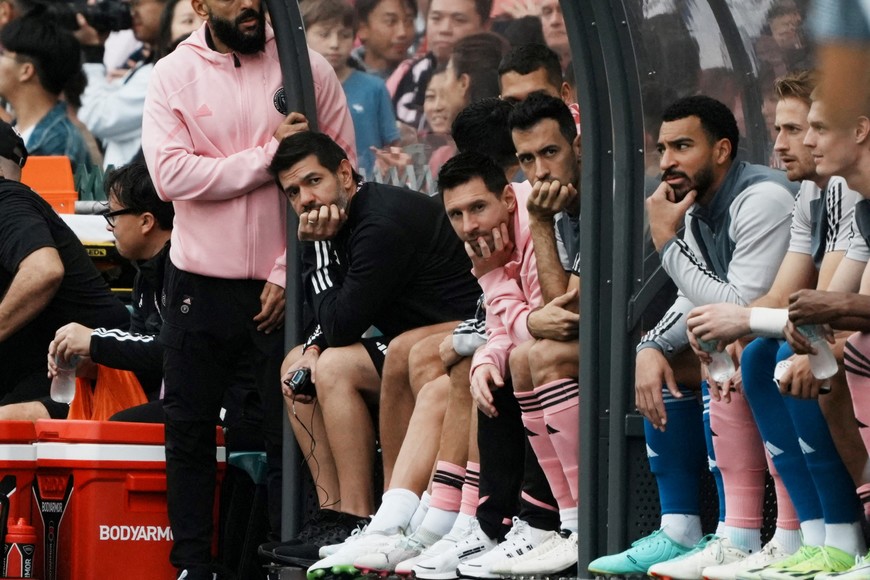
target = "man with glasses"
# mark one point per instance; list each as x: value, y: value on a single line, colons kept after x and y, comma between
x: 142, y: 225
x: 112, y: 107
x: 47, y: 280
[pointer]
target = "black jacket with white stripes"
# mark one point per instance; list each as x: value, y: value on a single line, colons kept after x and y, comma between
x: 396, y: 264
x: 138, y: 349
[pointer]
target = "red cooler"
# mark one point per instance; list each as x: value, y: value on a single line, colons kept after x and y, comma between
x: 17, y: 470
x: 101, y: 492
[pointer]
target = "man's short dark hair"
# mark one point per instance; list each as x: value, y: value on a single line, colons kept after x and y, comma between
x: 538, y: 107
x: 483, y: 8
x: 54, y: 51
x: 298, y: 146
x: 131, y: 185
x: 527, y: 58
x: 482, y: 127
x: 717, y: 120
x: 463, y: 167
x: 364, y: 8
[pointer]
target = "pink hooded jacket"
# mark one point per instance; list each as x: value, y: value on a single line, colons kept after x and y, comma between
x: 511, y: 292
x: 207, y: 137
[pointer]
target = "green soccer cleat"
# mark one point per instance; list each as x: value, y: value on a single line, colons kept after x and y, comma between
x: 824, y: 560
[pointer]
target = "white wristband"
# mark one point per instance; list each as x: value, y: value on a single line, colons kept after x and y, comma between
x: 768, y: 321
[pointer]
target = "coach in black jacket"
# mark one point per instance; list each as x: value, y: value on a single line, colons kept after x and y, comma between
x: 374, y: 255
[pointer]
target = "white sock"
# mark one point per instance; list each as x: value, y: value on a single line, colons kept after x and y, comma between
x: 460, y: 524
x: 788, y: 540
x: 397, y: 509
x: 747, y: 539
x: 684, y: 529
x: 568, y: 517
x: 720, y: 527
x: 438, y: 521
x: 847, y: 537
x: 813, y: 532
x: 420, y: 512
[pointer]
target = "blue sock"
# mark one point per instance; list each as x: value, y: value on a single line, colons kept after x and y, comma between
x: 711, y: 452
x: 775, y: 425
x: 676, y: 456
x: 834, y: 485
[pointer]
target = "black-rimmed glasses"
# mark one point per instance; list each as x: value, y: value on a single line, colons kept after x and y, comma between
x: 111, y: 215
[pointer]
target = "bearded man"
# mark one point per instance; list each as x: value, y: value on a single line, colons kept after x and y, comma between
x: 736, y: 217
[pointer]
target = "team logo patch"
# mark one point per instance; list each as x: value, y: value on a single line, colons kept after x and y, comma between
x: 280, y: 101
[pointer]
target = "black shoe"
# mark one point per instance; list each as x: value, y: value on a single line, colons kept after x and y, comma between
x: 311, y: 528
x: 306, y: 554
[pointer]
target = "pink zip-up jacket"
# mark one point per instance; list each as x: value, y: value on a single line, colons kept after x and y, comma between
x: 207, y: 136
x: 510, y: 292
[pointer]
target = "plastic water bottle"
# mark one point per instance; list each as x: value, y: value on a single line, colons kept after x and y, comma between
x: 63, y: 385
x: 721, y: 368
x: 823, y: 363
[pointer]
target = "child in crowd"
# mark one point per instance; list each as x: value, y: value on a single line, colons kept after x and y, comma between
x: 330, y: 28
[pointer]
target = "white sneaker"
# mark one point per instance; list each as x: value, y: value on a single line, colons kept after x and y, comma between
x: 451, y: 552
x: 860, y: 571
x: 403, y: 548
x: 406, y: 567
x: 771, y: 553
x: 559, y: 556
x: 520, y: 539
x: 715, y: 551
x: 342, y: 561
x: 331, y: 549
x: 505, y: 566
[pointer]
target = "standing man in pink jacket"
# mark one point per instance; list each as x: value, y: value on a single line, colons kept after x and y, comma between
x: 214, y: 115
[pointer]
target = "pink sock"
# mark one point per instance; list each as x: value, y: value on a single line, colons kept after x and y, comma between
x: 536, y: 431
x: 470, y: 489
x: 560, y: 401
x: 447, y: 486
x: 856, y: 360
x: 741, y: 460
x: 786, y: 516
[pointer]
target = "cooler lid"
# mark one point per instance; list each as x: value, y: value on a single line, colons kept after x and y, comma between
x: 17, y: 431
x: 74, y: 431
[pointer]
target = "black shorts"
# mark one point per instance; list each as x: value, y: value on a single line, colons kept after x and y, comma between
x: 376, y: 346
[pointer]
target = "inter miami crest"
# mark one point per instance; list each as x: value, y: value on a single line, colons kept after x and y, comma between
x: 280, y: 101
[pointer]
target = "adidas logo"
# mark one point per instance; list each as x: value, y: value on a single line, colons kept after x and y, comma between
x: 805, y: 448
x: 773, y: 449
x: 650, y: 452
x: 471, y: 552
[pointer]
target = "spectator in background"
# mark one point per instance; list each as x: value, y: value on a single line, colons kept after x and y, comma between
x: 555, y: 32
x: 386, y: 32
x: 447, y: 22
x: 177, y: 21
x: 38, y: 60
x: 471, y: 74
x: 329, y: 29
x: 112, y: 108
x: 47, y: 280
